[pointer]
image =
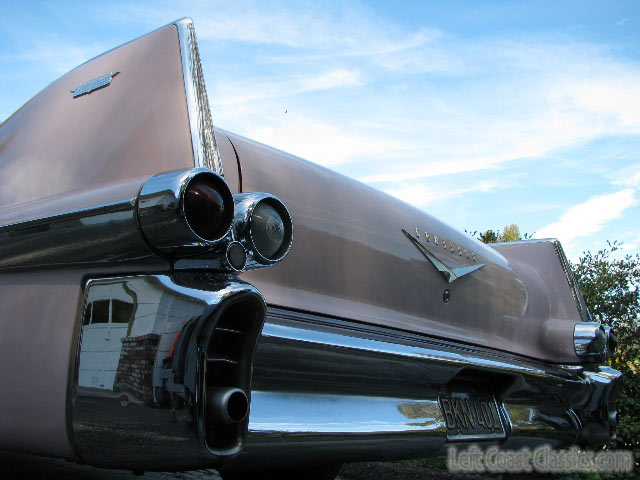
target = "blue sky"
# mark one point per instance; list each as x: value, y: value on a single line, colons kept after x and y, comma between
x: 481, y: 113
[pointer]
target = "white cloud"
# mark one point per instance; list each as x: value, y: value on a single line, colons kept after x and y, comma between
x: 531, y: 116
x: 232, y: 93
x: 520, y: 97
x: 57, y: 56
x: 346, y: 31
x: 322, y: 143
x: 422, y: 195
x: 589, y: 217
x: 629, y: 177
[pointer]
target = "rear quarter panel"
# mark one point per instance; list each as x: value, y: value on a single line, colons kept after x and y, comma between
x: 350, y: 259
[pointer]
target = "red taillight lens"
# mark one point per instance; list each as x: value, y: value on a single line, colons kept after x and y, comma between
x: 204, y: 208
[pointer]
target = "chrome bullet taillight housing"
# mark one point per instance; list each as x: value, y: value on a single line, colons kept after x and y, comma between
x: 594, y: 342
x: 184, y: 212
x: 191, y: 218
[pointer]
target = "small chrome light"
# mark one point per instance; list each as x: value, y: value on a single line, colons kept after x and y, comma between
x: 236, y: 256
x: 263, y: 224
x: 590, y: 342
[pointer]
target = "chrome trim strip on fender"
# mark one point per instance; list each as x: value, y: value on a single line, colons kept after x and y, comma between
x: 152, y: 225
x: 102, y: 234
x: 205, y: 151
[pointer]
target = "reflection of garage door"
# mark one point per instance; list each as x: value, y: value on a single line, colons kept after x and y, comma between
x: 105, y: 324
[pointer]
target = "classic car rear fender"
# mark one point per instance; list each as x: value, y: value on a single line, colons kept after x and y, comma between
x: 131, y: 334
x: 363, y: 255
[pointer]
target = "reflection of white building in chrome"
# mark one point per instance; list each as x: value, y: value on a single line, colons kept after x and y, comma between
x: 116, y: 311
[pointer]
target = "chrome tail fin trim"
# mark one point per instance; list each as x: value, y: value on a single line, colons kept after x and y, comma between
x: 205, y: 151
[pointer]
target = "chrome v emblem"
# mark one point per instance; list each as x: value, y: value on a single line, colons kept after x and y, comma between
x: 451, y: 274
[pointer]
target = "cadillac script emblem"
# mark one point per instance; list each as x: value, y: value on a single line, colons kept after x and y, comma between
x: 94, y: 84
x: 449, y: 259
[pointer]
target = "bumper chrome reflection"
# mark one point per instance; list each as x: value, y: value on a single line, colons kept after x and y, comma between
x: 332, y: 390
x: 163, y: 377
x: 323, y: 390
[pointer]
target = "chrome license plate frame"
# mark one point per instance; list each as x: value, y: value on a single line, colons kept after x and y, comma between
x: 472, y: 415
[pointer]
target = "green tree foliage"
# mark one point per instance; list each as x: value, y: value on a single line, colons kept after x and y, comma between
x: 489, y: 236
x: 610, y: 284
x: 510, y: 233
x: 611, y: 289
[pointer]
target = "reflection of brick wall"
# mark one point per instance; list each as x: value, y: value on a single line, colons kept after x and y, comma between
x: 135, y: 367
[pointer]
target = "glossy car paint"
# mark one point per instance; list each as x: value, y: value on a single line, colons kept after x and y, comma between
x: 59, y: 153
x: 350, y: 259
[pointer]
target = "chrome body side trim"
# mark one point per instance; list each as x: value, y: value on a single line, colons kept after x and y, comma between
x: 159, y: 357
x: 101, y: 234
x: 148, y: 227
x: 205, y: 151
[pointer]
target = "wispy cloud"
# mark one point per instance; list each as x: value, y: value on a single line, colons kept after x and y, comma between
x: 322, y: 143
x: 231, y: 93
x: 308, y: 26
x: 422, y: 195
x: 54, y: 56
x: 508, y: 98
x: 629, y: 177
x: 589, y: 217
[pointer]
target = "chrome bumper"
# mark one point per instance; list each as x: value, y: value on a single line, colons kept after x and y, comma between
x: 322, y: 390
x: 327, y: 390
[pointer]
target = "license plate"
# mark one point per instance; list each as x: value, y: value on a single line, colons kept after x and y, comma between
x: 471, y: 415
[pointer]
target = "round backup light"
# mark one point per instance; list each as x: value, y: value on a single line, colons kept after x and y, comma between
x: 208, y: 212
x: 268, y: 231
x: 236, y: 256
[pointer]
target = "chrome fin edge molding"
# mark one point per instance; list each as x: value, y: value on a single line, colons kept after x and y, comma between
x: 573, y: 282
x: 581, y: 306
x: 205, y: 150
